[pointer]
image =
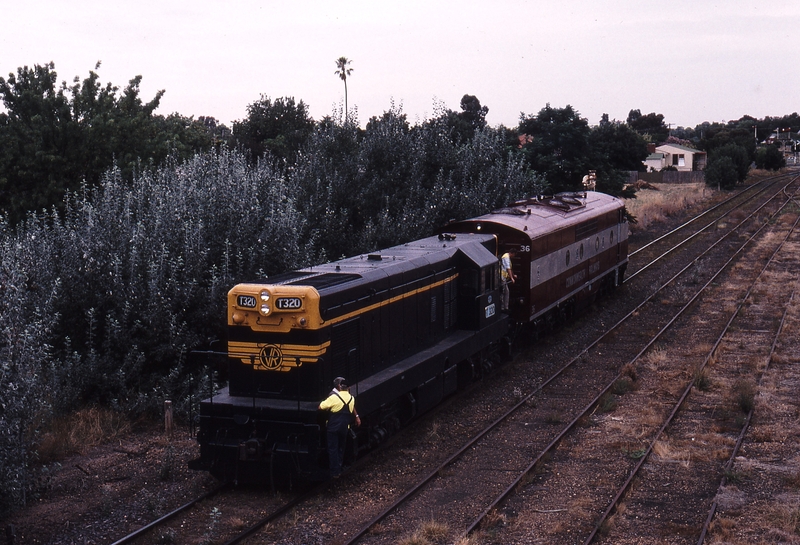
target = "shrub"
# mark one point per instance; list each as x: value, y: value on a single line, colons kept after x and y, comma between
x: 721, y: 173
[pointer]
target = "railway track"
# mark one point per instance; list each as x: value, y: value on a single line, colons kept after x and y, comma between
x: 566, y: 396
x: 706, y: 422
x: 440, y: 490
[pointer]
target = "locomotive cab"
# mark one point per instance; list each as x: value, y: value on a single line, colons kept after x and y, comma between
x: 479, y: 288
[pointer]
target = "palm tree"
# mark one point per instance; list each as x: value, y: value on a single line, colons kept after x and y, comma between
x: 343, y: 71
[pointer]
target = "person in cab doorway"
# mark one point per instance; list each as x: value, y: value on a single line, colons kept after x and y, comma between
x: 342, y: 408
x: 508, y: 275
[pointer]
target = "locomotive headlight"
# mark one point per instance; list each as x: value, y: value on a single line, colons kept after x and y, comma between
x: 265, y: 309
x: 265, y: 296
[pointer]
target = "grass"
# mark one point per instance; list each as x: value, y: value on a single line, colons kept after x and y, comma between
x: 655, y: 358
x: 701, y: 379
x: 608, y: 403
x: 654, y: 206
x: 429, y: 533
x: 666, y: 452
x: 622, y: 386
x: 744, y: 393
x: 81, y: 430
x: 786, y: 517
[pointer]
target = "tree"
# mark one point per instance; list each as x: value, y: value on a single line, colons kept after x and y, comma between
x: 557, y: 146
x: 343, y: 71
x: 650, y: 126
x: 770, y: 158
x: 738, y: 155
x: 718, y: 135
x: 53, y: 139
x: 622, y: 147
x: 280, y: 127
x: 721, y: 172
x: 727, y: 166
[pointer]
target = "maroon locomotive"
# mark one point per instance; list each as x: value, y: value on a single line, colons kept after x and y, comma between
x: 567, y: 249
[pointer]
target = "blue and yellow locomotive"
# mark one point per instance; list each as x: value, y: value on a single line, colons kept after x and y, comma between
x: 397, y: 323
x: 406, y: 325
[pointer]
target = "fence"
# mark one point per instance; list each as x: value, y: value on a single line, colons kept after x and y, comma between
x: 668, y: 177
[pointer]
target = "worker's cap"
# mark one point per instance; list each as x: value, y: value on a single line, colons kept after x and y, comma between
x: 340, y: 382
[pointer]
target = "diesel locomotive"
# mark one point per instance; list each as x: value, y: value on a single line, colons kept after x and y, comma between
x: 406, y: 325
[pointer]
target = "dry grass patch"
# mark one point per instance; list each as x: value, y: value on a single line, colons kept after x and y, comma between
x: 655, y: 359
x: 651, y: 206
x: 743, y: 395
x: 769, y: 402
x: 701, y: 379
x: 629, y: 370
x: 81, y: 430
x: 664, y: 451
x: 722, y: 529
x: 784, y: 516
x: 712, y: 447
x: 651, y: 415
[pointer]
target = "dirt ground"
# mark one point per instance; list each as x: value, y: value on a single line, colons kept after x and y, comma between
x: 98, y: 496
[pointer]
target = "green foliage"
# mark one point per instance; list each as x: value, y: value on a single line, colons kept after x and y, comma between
x: 28, y: 374
x: 651, y: 126
x: 462, y: 125
x: 53, y: 139
x: 391, y: 183
x: 621, y: 146
x: 558, y: 146
x: 721, y: 172
x: 279, y: 127
x: 739, y: 158
x: 717, y: 135
x: 769, y: 158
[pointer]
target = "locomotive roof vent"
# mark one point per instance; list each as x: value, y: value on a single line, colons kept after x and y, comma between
x: 511, y: 211
x: 374, y: 257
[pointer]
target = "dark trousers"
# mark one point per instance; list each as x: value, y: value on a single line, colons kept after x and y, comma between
x: 337, y: 439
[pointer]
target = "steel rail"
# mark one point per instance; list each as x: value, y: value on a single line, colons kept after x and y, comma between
x: 696, y: 233
x: 278, y: 513
x: 712, y: 209
x: 623, y: 489
x: 713, y: 509
x: 158, y: 522
x: 729, y: 465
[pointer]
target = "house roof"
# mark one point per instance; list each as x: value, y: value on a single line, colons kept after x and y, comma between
x: 679, y: 147
x: 655, y: 156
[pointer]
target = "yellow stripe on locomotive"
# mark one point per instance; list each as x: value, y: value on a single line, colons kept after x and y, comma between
x: 275, y: 357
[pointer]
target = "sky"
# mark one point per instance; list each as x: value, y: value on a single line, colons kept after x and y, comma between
x: 692, y: 61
